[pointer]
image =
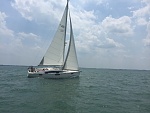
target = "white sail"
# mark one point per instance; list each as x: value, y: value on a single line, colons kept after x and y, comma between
x: 55, y: 52
x: 71, y: 62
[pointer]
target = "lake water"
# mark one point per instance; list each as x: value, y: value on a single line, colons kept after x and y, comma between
x: 95, y: 91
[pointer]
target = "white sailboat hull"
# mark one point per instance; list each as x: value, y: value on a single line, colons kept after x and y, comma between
x: 54, y: 75
x: 34, y: 74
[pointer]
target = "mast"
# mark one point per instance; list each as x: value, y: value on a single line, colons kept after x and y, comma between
x: 65, y: 30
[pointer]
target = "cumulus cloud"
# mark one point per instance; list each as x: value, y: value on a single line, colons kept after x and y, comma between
x: 144, y: 11
x: 141, y: 18
x: 142, y: 14
x: 39, y: 11
x: 92, y: 35
x: 120, y: 26
x: 94, y: 38
x: 84, y: 24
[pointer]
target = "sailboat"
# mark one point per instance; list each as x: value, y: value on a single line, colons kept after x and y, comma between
x: 55, y: 63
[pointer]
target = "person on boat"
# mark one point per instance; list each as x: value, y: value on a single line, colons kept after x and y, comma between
x: 32, y: 69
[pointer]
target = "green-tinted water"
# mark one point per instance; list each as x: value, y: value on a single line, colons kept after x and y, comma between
x: 96, y: 91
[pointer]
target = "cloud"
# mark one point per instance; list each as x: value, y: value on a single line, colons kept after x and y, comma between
x: 144, y: 11
x: 141, y: 18
x: 2, y: 19
x: 141, y: 21
x: 91, y: 35
x: 110, y: 43
x: 39, y: 11
x: 94, y: 38
x: 84, y: 24
x: 17, y: 48
x: 22, y: 48
x: 81, y: 18
x: 95, y: 1
x: 147, y: 39
x: 4, y: 31
x: 142, y: 14
x: 29, y: 36
x: 120, y: 26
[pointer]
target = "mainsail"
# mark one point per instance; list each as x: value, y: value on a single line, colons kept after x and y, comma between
x: 55, y: 53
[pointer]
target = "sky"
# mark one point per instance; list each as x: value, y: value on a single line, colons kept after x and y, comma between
x: 108, y: 33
